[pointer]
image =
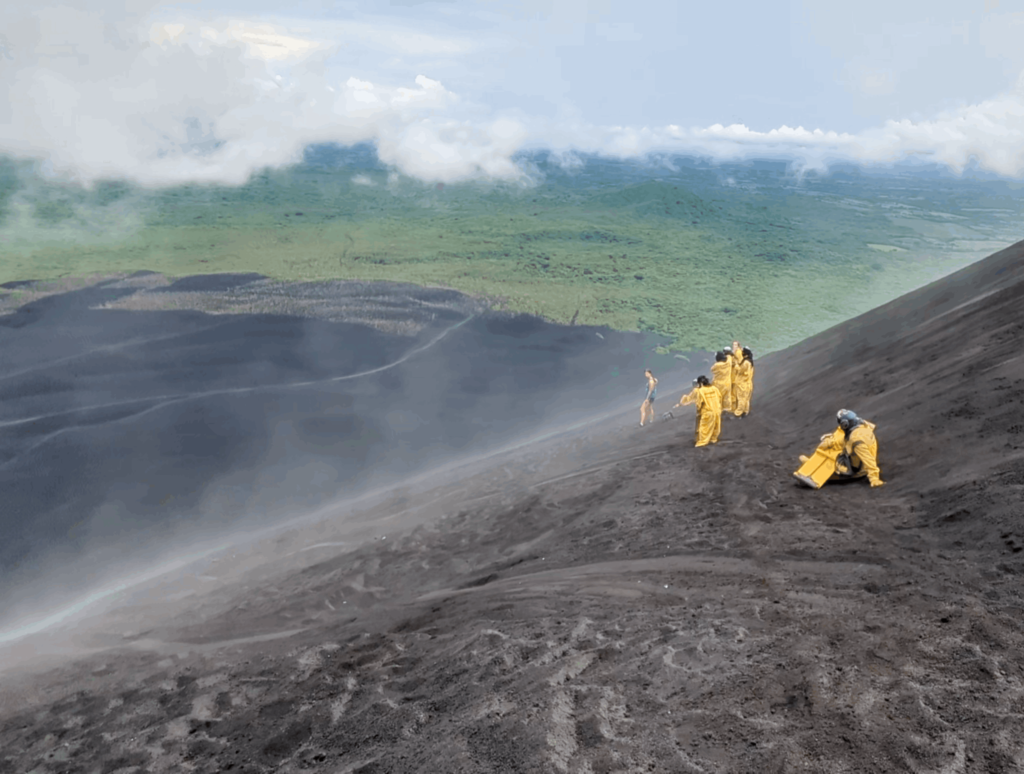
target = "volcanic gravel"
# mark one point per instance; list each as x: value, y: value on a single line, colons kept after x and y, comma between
x: 612, y: 599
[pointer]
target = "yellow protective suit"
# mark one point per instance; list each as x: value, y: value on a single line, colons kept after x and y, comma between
x: 742, y: 388
x: 708, y: 401
x: 721, y: 378
x: 735, y: 359
x: 862, y: 447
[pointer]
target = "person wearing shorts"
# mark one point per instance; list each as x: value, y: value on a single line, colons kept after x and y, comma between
x: 647, y: 407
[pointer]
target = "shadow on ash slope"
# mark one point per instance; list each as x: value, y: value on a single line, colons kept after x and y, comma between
x: 618, y: 601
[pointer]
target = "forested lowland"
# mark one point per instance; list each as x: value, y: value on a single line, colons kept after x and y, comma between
x: 702, y: 253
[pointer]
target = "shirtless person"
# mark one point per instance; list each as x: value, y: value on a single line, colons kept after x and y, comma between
x: 647, y: 407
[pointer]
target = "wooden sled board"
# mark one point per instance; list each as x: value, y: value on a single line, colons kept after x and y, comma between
x: 818, y: 469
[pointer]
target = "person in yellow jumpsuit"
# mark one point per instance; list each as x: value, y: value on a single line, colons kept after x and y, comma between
x: 743, y: 384
x: 735, y: 356
x: 854, y: 447
x: 708, y: 402
x: 735, y: 353
x: 721, y: 377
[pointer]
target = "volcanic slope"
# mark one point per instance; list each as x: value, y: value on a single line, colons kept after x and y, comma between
x: 615, y: 600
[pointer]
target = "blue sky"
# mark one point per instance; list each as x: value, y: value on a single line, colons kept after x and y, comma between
x: 450, y: 90
x: 763, y: 64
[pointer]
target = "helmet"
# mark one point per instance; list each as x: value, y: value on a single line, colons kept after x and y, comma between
x: 847, y: 419
x: 727, y: 349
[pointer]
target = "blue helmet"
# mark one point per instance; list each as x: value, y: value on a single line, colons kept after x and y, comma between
x: 847, y: 419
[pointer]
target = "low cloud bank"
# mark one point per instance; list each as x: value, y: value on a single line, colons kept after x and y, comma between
x: 95, y: 97
x: 989, y: 135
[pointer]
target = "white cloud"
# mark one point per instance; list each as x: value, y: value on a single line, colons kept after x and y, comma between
x: 567, y: 160
x: 449, y: 151
x: 262, y: 41
x: 990, y: 133
x: 213, y: 101
x: 165, y: 100
x: 84, y: 224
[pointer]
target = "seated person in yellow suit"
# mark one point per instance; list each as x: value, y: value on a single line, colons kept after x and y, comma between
x: 708, y: 401
x: 849, y: 452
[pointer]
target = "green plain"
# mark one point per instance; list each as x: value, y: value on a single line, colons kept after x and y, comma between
x: 762, y: 258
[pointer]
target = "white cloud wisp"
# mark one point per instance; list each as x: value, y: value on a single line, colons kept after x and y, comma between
x: 989, y: 134
x: 213, y: 101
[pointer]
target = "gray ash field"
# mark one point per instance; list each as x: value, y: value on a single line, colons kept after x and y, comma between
x: 608, y: 598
